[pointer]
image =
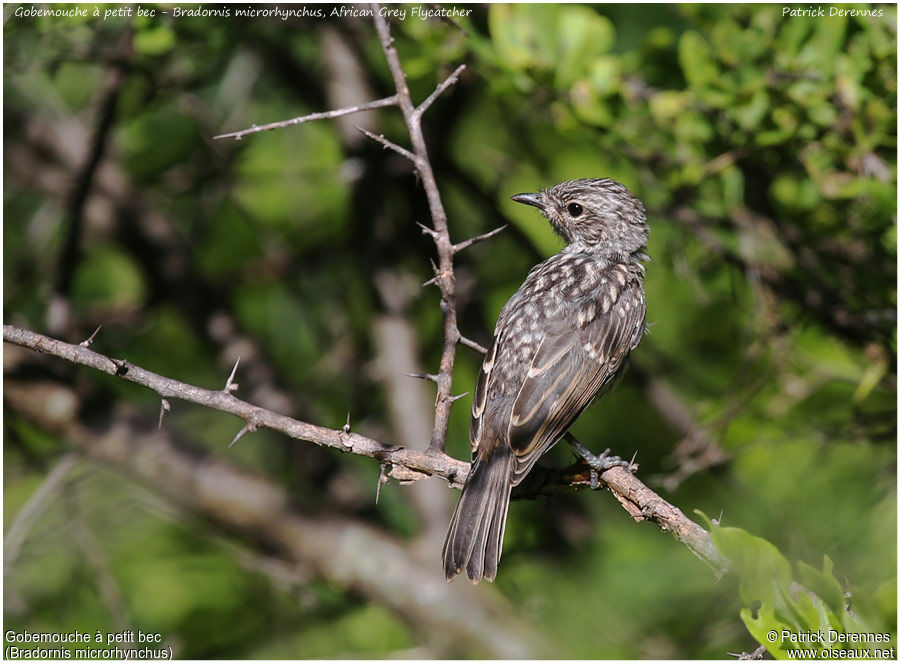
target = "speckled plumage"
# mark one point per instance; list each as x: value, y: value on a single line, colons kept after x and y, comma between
x: 559, y: 339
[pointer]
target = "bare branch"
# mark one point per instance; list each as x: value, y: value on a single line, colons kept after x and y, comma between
x: 444, y: 277
x: 58, y: 311
x: 469, y: 343
x: 326, y: 115
x: 480, y: 238
x: 379, y: 138
x: 637, y: 499
x: 450, y: 80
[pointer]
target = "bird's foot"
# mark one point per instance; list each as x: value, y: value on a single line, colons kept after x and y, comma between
x: 601, y: 463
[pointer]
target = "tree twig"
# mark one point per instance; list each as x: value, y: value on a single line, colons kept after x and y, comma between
x: 326, y: 115
x: 379, y: 138
x: 439, y: 90
x: 461, y: 246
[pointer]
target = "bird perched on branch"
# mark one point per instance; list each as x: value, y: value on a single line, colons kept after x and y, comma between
x: 559, y: 340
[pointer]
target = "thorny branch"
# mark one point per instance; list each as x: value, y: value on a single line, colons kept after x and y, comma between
x: 327, y: 115
x: 405, y: 465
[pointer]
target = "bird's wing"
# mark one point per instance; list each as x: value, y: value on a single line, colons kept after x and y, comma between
x: 480, y: 397
x: 567, y: 371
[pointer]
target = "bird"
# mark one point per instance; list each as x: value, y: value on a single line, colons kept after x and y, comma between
x: 559, y: 341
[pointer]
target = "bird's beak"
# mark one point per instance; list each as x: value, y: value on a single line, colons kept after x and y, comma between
x: 533, y: 199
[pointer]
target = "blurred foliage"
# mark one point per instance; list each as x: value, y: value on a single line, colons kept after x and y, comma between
x: 764, y: 148
x: 813, y: 612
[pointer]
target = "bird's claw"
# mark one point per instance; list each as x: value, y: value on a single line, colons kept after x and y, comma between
x: 601, y: 463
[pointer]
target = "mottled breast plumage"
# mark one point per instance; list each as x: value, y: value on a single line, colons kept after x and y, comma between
x: 569, y: 315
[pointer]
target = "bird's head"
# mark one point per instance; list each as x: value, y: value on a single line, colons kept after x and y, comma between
x: 597, y: 216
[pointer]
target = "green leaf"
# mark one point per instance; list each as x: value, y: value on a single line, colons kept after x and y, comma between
x: 589, y: 106
x: 605, y: 73
x: 154, y: 41
x: 583, y: 35
x: 108, y: 278
x: 750, y: 114
x: 826, y: 42
x: 764, y: 572
x: 760, y: 624
x: 823, y: 584
x: 696, y: 58
x: 667, y: 105
x: 524, y: 35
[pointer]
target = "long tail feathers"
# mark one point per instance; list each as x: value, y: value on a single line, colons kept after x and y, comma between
x: 475, y: 538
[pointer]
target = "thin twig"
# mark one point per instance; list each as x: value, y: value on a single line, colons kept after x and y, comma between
x: 326, y: 115
x: 480, y: 238
x: 439, y: 90
x: 379, y: 138
x: 475, y: 345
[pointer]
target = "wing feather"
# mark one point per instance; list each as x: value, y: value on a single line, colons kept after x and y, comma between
x: 480, y: 397
x: 568, y: 370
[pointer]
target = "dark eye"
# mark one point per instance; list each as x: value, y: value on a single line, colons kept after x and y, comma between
x: 575, y: 209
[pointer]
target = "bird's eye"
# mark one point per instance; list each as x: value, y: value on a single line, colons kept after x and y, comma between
x: 575, y: 209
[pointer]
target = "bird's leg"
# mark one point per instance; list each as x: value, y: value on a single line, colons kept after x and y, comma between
x: 599, y: 463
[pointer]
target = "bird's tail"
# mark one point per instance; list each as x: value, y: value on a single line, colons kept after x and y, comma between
x: 475, y: 538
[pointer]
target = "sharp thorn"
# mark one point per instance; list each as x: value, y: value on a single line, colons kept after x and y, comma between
x: 86, y: 343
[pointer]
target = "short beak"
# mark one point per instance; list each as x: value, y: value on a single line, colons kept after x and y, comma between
x: 533, y: 199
